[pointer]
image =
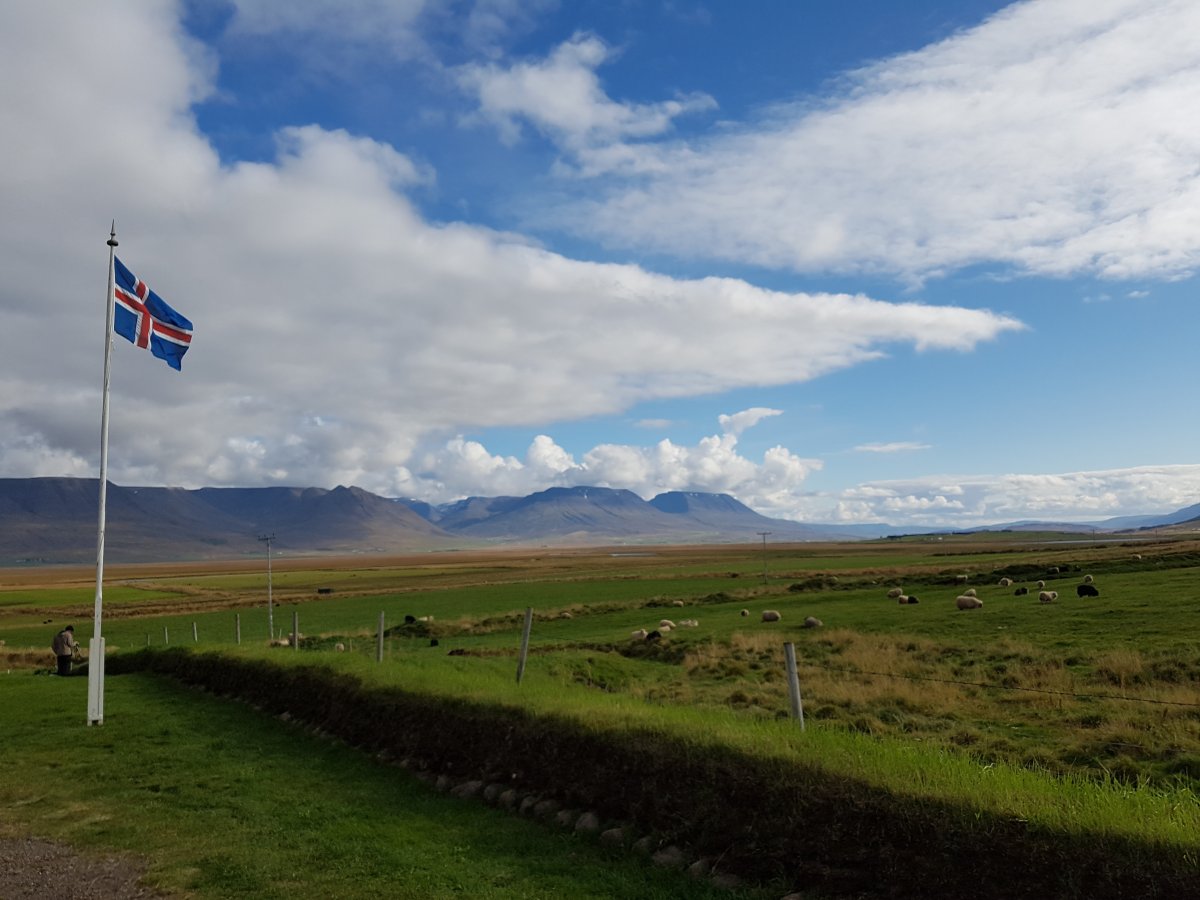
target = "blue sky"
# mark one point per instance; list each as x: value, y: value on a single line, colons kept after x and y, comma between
x: 928, y: 263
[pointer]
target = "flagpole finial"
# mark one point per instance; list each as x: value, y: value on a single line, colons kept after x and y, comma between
x: 112, y: 237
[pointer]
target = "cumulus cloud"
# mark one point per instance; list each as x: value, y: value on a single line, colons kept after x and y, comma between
x: 1049, y: 139
x: 461, y: 468
x: 562, y: 98
x: 337, y: 331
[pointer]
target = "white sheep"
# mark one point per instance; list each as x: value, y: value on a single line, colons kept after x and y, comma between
x: 895, y: 592
x: 744, y: 613
x: 961, y: 579
x: 424, y: 618
x: 969, y: 592
x: 771, y: 615
x: 1048, y: 596
x: 339, y: 647
x: 666, y: 623
x: 663, y: 629
x: 688, y: 623
x: 1041, y: 585
x: 812, y: 622
x: 965, y: 602
x: 639, y: 635
x: 1006, y: 582
x: 1087, y: 579
x: 677, y: 603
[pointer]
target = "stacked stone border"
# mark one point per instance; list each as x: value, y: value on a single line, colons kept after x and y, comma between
x: 715, y: 809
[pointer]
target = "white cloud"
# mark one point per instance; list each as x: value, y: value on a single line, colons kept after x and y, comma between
x: 969, y: 500
x: 1049, y: 139
x: 336, y: 330
x: 892, y: 447
x: 747, y: 418
x: 562, y: 98
x: 462, y: 468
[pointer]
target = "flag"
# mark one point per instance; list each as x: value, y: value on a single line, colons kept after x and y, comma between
x: 143, y: 318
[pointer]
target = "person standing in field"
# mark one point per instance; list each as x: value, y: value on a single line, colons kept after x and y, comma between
x: 64, y: 647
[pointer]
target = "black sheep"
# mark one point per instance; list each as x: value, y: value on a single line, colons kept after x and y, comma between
x: 1087, y: 590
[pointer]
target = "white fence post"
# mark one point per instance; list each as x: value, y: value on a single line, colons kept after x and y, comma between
x: 166, y: 637
x: 195, y: 633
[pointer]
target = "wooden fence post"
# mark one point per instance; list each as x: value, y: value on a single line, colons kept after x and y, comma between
x: 166, y: 637
x: 195, y: 633
x: 789, y: 652
x: 295, y: 629
x: 524, y: 643
x: 237, y: 626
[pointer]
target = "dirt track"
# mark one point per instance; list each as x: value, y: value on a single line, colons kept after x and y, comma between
x: 32, y: 869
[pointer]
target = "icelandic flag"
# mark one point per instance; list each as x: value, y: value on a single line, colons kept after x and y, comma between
x: 143, y: 318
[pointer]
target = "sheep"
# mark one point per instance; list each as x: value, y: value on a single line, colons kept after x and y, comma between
x: 1041, y: 585
x: 1087, y: 590
x: 424, y: 618
x: 654, y: 636
x: 771, y: 615
x: 969, y: 592
x: 677, y: 603
x: 666, y: 623
x: 744, y: 613
x: 1087, y: 579
x: 565, y: 615
x: 339, y: 647
x: 907, y: 598
x: 639, y: 635
x: 1137, y: 556
x: 1053, y: 570
x: 965, y: 602
x: 663, y: 629
x: 812, y: 622
x: 1021, y: 592
x: 961, y: 579
x: 895, y: 592
x: 1047, y: 596
x: 688, y: 623
x: 1005, y: 582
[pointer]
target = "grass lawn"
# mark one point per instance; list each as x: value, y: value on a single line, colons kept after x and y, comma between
x: 221, y: 801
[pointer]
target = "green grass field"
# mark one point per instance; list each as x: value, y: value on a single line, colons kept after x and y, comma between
x: 220, y: 801
x: 1082, y: 714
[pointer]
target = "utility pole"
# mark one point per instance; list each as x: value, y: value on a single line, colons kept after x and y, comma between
x: 763, y: 535
x: 267, y: 538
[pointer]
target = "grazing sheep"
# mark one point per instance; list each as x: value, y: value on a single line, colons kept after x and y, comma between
x: 639, y: 635
x: 1047, y: 596
x: 339, y: 647
x: 907, y: 598
x: 1021, y: 592
x: 960, y: 579
x: 410, y: 620
x: 666, y: 623
x: 565, y: 615
x: 969, y: 592
x: 812, y: 622
x: 677, y: 603
x: 894, y: 593
x: 1087, y: 590
x: 1053, y: 570
x: 1137, y: 556
x: 965, y: 602
x: 770, y: 615
x: 1087, y: 579
x: 745, y: 612
x: 424, y: 618
x: 1005, y: 582
x: 1041, y: 585
x: 688, y: 623
x: 654, y: 636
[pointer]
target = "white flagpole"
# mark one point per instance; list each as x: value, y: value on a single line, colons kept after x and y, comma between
x: 96, y: 647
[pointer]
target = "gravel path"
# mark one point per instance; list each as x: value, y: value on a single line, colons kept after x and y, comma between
x: 39, y: 869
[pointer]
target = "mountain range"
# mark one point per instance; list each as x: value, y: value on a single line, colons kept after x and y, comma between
x: 54, y: 520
